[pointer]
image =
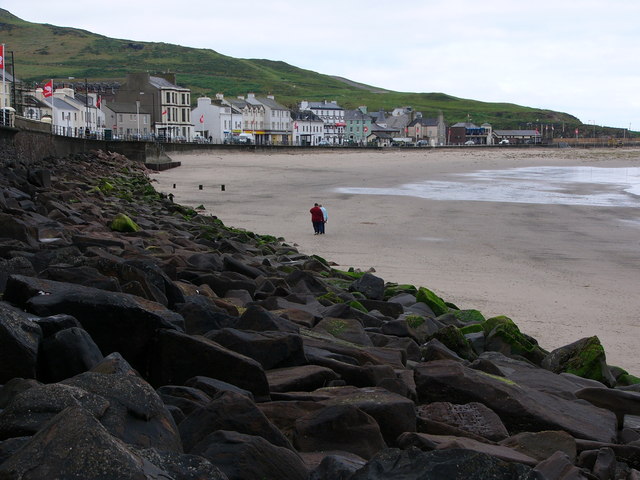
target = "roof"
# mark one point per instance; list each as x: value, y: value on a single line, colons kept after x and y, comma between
x: 465, y: 125
x: 324, y: 105
x: 124, y: 107
x: 58, y: 103
x: 517, y: 133
x: 32, y: 101
x: 356, y: 115
x: 425, y: 122
x: 160, y: 82
x: 306, y: 116
x: 271, y: 103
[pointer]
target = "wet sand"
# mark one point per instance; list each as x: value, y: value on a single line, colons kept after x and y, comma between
x: 560, y: 271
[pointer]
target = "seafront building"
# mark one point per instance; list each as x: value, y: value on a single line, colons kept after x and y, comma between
x: 332, y: 115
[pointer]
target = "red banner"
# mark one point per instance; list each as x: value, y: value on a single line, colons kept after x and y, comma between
x: 47, y: 91
x: 2, y: 57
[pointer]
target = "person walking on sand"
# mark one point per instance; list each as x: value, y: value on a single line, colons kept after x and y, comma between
x: 317, y: 218
x: 325, y: 217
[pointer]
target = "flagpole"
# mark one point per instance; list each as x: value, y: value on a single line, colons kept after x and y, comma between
x: 4, y: 93
x: 53, y: 110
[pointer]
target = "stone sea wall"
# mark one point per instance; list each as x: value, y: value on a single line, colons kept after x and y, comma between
x: 140, y: 339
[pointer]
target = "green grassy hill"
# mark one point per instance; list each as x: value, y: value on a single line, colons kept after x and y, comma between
x: 44, y: 51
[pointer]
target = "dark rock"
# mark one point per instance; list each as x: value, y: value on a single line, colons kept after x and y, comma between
x: 336, y: 467
x: 11, y: 446
x: 243, y: 457
x: 434, y: 349
x: 619, y: 402
x: 20, y: 340
x: 260, y: 320
x: 76, y: 445
x: 558, y: 467
x: 407, y: 345
x: 116, y: 322
x: 304, y: 282
x: 239, y: 266
x: 212, y: 387
x: 389, y: 309
x: 201, y: 314
x: 14, y: 266
x: 605, y: 465
x: 211, y: 262
x: 82, y: 275
x: 187, y: 399
x: 31, y: 409
x: 272, y: 349
x: 55, y: 323
x: 178, y: 357
x: 342, y: 427
x: 473, y: 417
x: 425, y: 441
x: 233, y: 412
x: 451, y: 464
x: 503, y: 335
x: 304, y: 378
x: 13, y: 387
x: 520, y: 408
x: 394, y: 413
x: 541, y: 445
x: 67, y: 353
x: 181, y: 466
x: 369, y: 285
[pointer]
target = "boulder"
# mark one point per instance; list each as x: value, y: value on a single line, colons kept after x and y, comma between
x: 338, y: 427
x: 20, y: 339
x: 67, y: 353
x: 346, y: 329
x: 428, y: 442
x: 75, y: 445
x: 303, y: 378
x: 241, y: 456
x: 123, y: 223
x: 258, y: 319
x: 433, y: 301
x: 472, y: 417
x: 117, y: 322
x: 136, y: 414
x: 558, y: 467
x: 177, y: 357
x: 336, y: 467
x: 619, y: 402
x: 542, y: 445
x: 504, y: 336
x: 201, y: 315
x: 232, y: 412
x: 369, y: 285
x: 519, y: 407
x: 584, y: 358
x: 273, y: 349
x: 450, y: 464
x: 212, y: 387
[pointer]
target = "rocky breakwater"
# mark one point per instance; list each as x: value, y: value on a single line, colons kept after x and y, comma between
x: 140, y: 339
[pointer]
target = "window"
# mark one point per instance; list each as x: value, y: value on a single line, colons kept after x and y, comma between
x: 168, y: 97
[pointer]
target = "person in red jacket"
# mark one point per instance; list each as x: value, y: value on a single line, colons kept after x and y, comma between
x: 317, y: 218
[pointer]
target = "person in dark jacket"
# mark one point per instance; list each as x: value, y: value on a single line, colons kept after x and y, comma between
x: 317, y: 218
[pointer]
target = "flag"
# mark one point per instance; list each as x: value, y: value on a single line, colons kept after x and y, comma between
x: 99, y: 101
x: 48, y: 89
x: 202, y: 118
x: 2, y: 56
x: 164, y: 113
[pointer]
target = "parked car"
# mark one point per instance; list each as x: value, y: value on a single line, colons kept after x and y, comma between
x: 504, y: 141
x: 469, y: 142
x: 323, y: 143
x: 422, y: 143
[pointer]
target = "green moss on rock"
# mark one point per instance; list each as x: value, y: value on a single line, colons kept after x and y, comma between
x: 469, y: 316
x: 433, y: 301
x: 476, y: 327
x: 358, y: 306
x: 504, y: 336
x: 123, y: 223
x: 453, y: 338
x: 393, y: 289
x: 588, y: 361
x: 414, y: 321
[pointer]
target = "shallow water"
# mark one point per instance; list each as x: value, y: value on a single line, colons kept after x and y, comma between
x: 589, y: 186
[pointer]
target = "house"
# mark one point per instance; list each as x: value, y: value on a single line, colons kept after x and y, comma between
x: 518, y: 136
x: 307, y: 128
x: 168, y: 103
x: 216, y: 119
x: 465, y: 132
x: 69, y: 115
x: 277, y: 120
x: 431, y: 130
x: 382, y: 136
x: 357, y: 126
x: 333, y: 117
x: 127, y: 120
x: 5, y: 90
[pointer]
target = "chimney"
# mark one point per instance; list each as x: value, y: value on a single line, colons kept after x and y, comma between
x: 271, y: 97
x: 219, y: 96
x: 251, y: 95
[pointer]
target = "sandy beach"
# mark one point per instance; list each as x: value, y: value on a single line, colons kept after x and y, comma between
x: 547, y: 237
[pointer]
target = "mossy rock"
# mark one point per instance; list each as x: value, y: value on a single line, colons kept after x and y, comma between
x: 123, y: 223
x: 589, y: 361
x: 453, y: 339
x: 474, y: 328
x: 321, y: 260
x: 358, y: 306
x: 393, y: 289
x: 433, y: 301
x: 331, y: 297
x: 469, y: 316
x: 504, y: 336
x: 414, y: 321
x: 626, y: 379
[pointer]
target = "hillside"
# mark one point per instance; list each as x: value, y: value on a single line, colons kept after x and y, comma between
x: 48, y: 51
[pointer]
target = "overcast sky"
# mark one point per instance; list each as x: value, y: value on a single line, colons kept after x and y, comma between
x: 574, y: 56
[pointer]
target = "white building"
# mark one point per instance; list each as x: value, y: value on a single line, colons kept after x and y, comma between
x: 307, y: 128
x: 333, y: 117
x: 216, y: 120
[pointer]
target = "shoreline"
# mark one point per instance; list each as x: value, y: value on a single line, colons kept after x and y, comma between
x: 560, y: 272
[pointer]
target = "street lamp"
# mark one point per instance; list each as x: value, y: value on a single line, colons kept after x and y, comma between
x: 138, y: 118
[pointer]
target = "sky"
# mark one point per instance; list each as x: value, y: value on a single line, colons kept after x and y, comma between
x: 572, y: 56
